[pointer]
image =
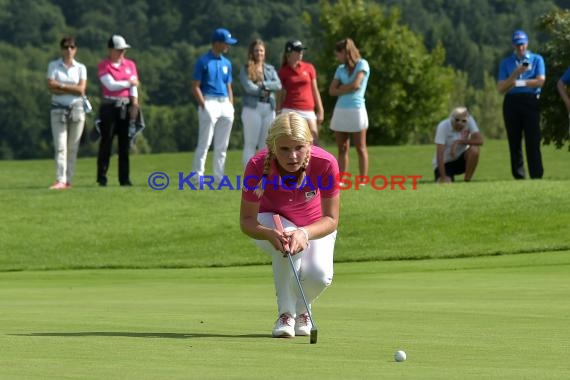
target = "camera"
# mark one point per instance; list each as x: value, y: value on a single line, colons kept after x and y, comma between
x: 525, y: 63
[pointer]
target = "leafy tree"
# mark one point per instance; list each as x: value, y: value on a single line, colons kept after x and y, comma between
x: 556, y: 54
x: 164, y: 22
x: 408, y: 89
x: 24, y: 121
x: 475, y: 33
x: 95, y: 30
x: 488, y: 109
x: 30, y: 22
x: 169, y: 128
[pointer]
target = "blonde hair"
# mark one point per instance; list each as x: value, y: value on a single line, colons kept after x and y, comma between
x: 290, y: 125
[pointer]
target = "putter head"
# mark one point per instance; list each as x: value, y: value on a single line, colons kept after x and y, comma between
x: 313, y: 336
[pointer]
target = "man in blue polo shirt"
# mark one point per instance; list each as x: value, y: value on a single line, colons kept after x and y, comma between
x: 212, y: 89
x: 521, y: 77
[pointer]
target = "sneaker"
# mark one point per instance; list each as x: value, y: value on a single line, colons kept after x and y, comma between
x: 284, y: 327
x: 58, y: 186
x: 68, y: 185
x: 303, y: 325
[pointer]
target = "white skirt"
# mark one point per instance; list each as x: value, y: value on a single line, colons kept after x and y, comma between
x: 307, y: 115
x: 349, y: 119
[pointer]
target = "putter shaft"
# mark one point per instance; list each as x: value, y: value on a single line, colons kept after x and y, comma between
x: 279, y: 226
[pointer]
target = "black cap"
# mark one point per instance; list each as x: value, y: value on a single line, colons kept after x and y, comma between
x: 294, y: 45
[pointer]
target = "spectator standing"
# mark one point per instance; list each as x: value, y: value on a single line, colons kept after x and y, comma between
x: 350, y: 117
x: 212, y: 89
x: 66, y: 81
x: 300, y: 91
x: 259, y: 81
x: 119, y: 108
x: 521, y: 77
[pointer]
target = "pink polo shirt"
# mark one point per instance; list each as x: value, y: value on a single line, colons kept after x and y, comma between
x: 122, y: 72
x: 300, y: 204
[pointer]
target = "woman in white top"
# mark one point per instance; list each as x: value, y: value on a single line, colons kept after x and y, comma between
x: 66, y: 80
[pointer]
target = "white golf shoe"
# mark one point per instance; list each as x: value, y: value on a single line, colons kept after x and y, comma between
x: 284, y: 327
x: 303, y: 325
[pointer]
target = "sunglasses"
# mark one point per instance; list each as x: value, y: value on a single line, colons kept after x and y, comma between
x: 457, y: 120
x: 65, y: 47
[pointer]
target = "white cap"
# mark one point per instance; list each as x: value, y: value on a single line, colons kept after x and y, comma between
x: 118, y: 42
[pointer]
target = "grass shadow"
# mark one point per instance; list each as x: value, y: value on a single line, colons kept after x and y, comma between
x: 124, y: 334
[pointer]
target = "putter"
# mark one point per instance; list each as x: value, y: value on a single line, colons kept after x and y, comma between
x: 279, y: 226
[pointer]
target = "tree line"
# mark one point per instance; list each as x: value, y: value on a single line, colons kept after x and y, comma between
x: 425, y: 55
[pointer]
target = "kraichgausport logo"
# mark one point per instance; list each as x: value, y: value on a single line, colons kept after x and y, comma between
x: 343, y: 181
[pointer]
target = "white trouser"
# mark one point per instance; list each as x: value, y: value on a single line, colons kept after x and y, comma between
x: 215, y: 121
x: 314, y: 266
x: 256, y: 122
x: 66, y: 131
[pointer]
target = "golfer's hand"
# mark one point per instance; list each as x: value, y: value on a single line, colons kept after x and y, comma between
x: 445, y: 179
x: 279, y: 241
x: 297, y: 241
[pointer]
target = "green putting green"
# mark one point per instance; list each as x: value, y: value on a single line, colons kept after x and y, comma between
x: 494, y: 317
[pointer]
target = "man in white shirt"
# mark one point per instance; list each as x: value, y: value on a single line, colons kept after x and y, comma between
x: 457, y: 142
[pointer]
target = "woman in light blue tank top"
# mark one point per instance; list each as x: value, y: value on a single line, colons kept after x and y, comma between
x: 350, y: 116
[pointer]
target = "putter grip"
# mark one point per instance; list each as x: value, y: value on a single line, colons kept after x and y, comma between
x: 279, y: 226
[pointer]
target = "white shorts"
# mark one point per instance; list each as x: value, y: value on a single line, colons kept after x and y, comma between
x: 349, y: 119
x: 308, y: 115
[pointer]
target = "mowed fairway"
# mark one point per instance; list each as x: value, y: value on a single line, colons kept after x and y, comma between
x: 501, y: 318
x: 471, y: 280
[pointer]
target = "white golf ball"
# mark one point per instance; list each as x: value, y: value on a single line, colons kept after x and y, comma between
x: 400, y: 356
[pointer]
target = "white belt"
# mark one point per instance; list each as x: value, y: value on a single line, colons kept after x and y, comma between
x: 220, y: 99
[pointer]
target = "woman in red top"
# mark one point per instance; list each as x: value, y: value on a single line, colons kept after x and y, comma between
x: 300, y: 91
x: 298, y: 181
